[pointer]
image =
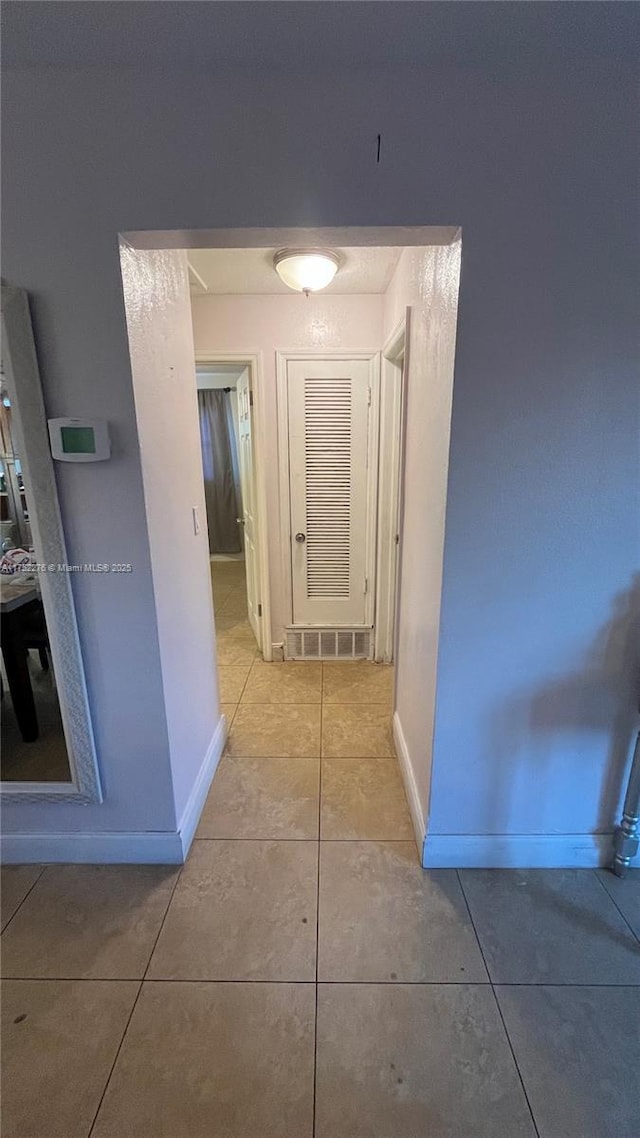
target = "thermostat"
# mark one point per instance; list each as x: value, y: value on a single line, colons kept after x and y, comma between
x: 79, y: 440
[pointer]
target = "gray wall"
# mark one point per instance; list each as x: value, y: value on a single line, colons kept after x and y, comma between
x: 542, y: 524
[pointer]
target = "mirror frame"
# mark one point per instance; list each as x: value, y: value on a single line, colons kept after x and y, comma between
x: 22, y: 378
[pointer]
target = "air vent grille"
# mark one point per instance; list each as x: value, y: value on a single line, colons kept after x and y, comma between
x: 328, y: 643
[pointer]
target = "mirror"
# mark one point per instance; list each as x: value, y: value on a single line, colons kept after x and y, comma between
x: 46, y: 734
x: 34, y: 748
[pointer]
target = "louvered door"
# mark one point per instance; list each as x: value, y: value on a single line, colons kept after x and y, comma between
x: 328, y: 419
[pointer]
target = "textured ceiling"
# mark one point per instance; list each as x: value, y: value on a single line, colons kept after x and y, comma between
x: 316, y: 33
x: 363, y: 270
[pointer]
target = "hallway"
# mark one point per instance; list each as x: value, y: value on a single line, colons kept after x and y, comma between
x: 301, y: 975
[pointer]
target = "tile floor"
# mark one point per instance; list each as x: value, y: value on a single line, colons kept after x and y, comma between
x: 301, y: 975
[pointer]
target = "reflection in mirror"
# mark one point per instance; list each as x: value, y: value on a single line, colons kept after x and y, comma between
x: 32, y: 734
x: 48, y: 749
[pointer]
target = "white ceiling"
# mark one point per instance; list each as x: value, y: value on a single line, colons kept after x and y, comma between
x: 218, y: 374
x: 364, y: 269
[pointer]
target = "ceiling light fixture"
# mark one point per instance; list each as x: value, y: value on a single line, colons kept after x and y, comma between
x: 306, y: 270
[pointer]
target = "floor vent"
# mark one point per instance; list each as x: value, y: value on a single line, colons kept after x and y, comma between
x: 329, y: 643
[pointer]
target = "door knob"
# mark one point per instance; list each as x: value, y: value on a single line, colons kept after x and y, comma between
x: 300, y: 537
x: 240, y: 521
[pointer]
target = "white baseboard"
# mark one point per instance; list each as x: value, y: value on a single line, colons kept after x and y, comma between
x: 200, y: 789
x: 408, y: 778
x: 145, y: 848
x: 517, y: 851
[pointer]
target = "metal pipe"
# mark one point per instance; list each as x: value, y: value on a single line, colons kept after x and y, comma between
x: 626, y: 839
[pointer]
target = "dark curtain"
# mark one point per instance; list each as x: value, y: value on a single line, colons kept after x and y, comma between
x: 219, y: 463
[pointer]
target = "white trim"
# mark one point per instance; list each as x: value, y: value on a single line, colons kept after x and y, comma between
x: 199, y: 280
x: 394, y: 345
x: 373, y: 445
x: 32, y: 440
x: 162, y: 847
x: 410, y: 787
x: 253, y: 361
x: 495, y: 851
x: 197, y: 798
x: 282, y: 359
x: 284, y: 484
x: 325, y: 354
x: 263, y: 238
x: 406, y: 370
x: 517, y: 851
x: 389, y: 465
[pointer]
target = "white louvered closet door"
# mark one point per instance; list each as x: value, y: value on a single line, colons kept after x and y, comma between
x: 328, y: 412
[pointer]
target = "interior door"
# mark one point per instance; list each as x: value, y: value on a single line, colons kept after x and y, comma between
x: 328, y: 403
x: 249, y: 498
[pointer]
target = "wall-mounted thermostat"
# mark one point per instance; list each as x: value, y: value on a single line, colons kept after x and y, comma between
x: 79, y: 440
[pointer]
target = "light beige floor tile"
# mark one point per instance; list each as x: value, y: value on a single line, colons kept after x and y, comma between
x: 221, y: 592
x: 231, y: 563
x: 231, y: 572
x: 232, y: 680
x: 382, y: 917
x: 15, y: 883
x: 357, y: 682
x: 214, y: 1061
x: 230, y: 585
x: 363, y: 798
x: 228, y: 570
x: 88, y: 921
x: 356, y: 731
x: 284, y: 683
x: 59, y: 1041
x: 233, y: 627
x: 414, y: 1061
x: 229, y: 710
x: 235, y: 651
x: 220, y: 586
x: 275, y: 731
x: 235, y: 604
x: 262, y: 798
x: 241, y: 911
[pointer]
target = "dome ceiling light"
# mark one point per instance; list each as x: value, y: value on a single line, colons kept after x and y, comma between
x: 306, y: 270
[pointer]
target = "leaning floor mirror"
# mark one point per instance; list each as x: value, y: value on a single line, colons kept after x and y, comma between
x: 48, y: 749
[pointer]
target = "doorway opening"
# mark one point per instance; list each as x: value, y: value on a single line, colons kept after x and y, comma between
x: 328, y: 382
x: 335, y: 428
x: 234, y: 494
x: 329, y: 447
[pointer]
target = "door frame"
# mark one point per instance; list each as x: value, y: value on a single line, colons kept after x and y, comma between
x: 282, y: 359
x: 253, y: 360
x: 392, y: 390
